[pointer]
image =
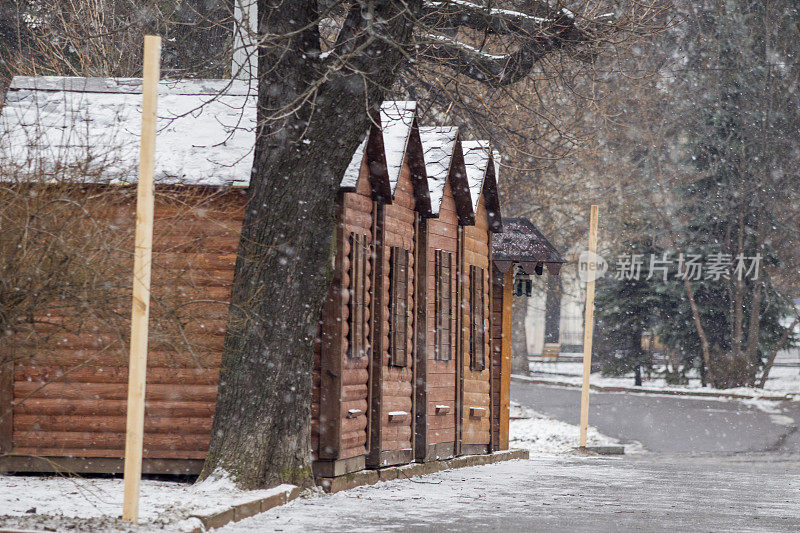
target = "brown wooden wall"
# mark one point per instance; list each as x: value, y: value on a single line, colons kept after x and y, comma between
x: 476, y: 383
x: 440, y: 376
x: 70, y: 375
x: 340, y: 393
x: 391, y: 440
x: 497, y: 344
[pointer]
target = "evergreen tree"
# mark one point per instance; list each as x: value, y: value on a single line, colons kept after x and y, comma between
x: 740, y: 125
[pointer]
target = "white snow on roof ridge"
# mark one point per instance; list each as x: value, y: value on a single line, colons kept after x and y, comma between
x: 438, y: 145
x: 353, y: 170
x: 397, y: 118
x: 476, y: 160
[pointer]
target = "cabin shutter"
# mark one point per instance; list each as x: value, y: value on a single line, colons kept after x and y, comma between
x: 359, y: 315
x: 443, y: 305
x: 398, y: 307
x: 477, y: 344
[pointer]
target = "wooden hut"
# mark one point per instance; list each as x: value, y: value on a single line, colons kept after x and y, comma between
x: 520, y: 249
x: 394, y: 294
x: 394, y: 379
x: 340, y: 394
x: 67, y: 378
x: 476, y: 266
x: 438, y: 348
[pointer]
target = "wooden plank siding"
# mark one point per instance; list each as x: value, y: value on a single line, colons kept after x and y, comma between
x: 476, y: 386
x: 70, y: 376
x: 439, y: 381
x: 392, y: 382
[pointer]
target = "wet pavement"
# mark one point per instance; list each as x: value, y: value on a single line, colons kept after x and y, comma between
x: 673, y: 424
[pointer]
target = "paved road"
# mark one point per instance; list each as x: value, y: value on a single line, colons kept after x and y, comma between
x: 650, y: 493
x: 673, y: 424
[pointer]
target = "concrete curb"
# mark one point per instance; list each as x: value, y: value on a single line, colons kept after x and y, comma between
x: 690, y: 394
x: 244, y: 510
x: 349, y: 481
x: 370, y: 477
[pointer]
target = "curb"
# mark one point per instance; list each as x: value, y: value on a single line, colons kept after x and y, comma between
x: 349, y: 481
x: 370, y: 477
x: 244, y: 510
x: 668, y: 392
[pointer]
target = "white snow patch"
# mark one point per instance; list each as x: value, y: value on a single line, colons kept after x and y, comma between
x: 353, y: 170
x: 438, y: 144
x: 160, y: 501
x: 397, y: 117
x: 476, y: 160
x: 541, y: 435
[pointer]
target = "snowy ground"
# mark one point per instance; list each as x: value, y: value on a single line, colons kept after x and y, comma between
x: 782, y: 380
x: 568, y: 493
x: 541, y: 435
x: 95, y: 503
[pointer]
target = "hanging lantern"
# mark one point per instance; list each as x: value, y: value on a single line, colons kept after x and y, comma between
x: 523, y: 286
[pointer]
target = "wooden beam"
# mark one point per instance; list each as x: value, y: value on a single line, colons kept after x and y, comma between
x: 140, y: 312
x: 420, y: 370
x: 505, y: 358
x: 587, y: 328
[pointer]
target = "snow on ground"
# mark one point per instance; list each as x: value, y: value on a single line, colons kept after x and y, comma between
x: 42, y: 501
x: 544, y: 436
x: 782, y: 380
x: 162, y: 503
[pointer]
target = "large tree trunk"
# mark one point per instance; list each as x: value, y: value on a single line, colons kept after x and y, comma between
x: 261, y: 430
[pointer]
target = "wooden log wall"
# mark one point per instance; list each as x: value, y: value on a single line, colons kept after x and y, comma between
x: 440, y: 376
x: 340, y: 393
x: 391, y: 439
x: 70, y: 370
x: 476, y: 405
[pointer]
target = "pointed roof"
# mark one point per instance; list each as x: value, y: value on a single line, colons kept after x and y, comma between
x: 476, y: 159
x: 397, y: 120
x: 438, y: 144
x: 353, y: 170
x: 522, y: 243
x: 481, y: 168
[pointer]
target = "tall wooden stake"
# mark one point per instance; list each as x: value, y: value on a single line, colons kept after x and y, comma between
x: 140, y: 313
x: 587, y: 327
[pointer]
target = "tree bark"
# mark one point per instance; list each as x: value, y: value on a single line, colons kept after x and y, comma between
x: 261, y: 430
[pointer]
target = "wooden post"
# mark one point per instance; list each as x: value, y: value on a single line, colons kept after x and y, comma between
x: 588, y: 325
x: 140, y: 312
x: 505, y: 357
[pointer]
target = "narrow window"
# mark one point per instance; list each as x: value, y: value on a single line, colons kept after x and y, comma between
x: 398, y: 307
x: 358, y: 335
x: 443, y: 303
x: 477, y: 326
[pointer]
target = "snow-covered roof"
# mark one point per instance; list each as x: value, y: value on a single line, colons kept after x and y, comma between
x: 438, y: 145
x: 476, y: 160
x: 397, y: 118
x: 353, y: 170
x: 206, y: 128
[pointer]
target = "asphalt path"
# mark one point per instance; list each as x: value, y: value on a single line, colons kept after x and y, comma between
x: 673, y: 424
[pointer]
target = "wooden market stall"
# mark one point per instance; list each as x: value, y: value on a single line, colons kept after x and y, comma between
x: 396, y: 375
x: 519, y: 250
x: 437, y: 355
x: 476, y: 265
